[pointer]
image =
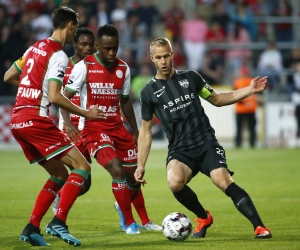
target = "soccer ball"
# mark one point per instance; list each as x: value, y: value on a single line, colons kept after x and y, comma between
x: 177, y: 226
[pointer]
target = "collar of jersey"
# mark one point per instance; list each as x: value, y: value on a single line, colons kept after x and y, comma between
x: 158, y: 79
x: 102, y: 63
x: 72, y: 61
x: 51, y: 38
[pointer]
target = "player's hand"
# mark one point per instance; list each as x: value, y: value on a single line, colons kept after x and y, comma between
x: 95, y: 113
x: 259, y: 84
x: 73, y: 133
x: 139, y: 174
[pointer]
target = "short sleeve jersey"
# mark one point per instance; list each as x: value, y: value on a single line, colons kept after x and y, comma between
x: 44, y: 61
x: 75, y: 99
x: 176, y: 103
x: 101, y: 86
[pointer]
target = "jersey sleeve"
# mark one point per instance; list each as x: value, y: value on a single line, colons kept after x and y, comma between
x: 202, y: 88
x: 57, y: 66
x: 146, y: 107
x: 19, y: 64
x: 126, y: 86
x: 77, y: 77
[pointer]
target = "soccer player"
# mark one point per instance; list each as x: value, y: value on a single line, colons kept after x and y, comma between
x: 104, y: 81
x: 38, y: 75
x: 173, y: 96
x: 84, y: 45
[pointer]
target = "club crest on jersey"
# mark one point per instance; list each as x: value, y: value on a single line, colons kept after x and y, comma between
x: 184, y: 83
x: 119, y: 73
x: 41, y: 45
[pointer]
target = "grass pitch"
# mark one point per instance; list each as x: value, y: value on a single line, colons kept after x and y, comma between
x: 270, y: 176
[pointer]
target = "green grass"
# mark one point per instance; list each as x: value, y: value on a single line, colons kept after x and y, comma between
x: 270, y: 176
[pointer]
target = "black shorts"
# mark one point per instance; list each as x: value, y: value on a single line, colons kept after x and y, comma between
x: 210, y: 156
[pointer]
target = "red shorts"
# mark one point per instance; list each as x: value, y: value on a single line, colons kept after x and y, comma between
x: 112, y: 144
x: 82, y: 149
x: 39, y: 138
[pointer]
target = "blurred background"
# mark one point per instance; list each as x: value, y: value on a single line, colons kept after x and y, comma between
x: 227, y: 41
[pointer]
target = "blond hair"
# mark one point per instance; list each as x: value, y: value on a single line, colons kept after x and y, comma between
x: 160, y: 42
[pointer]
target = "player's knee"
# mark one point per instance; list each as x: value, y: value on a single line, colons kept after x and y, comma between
x: 175, y: 184
x: 83, y: 166
x: 86, y: 185
x: 115, y: 168
x: 221, y: 178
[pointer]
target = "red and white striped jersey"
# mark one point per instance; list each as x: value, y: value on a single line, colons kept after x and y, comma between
x: 100, y: 85
x: 44, y: 61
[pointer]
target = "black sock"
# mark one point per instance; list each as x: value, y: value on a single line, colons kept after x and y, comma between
x: 58, y: 221
x: 189, y: 199
x: 244, y: 204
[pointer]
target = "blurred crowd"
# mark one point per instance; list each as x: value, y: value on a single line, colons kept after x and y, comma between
x: 22, y: 22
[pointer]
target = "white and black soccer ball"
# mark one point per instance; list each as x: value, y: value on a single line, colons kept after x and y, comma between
x: 177, y: 226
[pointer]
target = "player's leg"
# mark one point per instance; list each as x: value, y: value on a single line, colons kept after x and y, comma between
x: 88, y: 182
x: 215, y: 161
x: 84, y: 151
x: 108, y: 158
x: 137, y: 199
x: 33, y: 143
x: 71, y: 190
x: 58, y: 175
x: 127, y: 152
x: 179, y: 173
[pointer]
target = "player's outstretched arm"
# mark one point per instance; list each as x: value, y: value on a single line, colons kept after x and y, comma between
x: 144, y: 146
x: 256, y: 85
x: 12, y: 76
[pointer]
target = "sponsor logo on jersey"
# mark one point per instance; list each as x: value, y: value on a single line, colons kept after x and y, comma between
x: 108, y: 110
x: 131, y: 155
x: 29, y: 92
x: 21, y: 125
x: 119, y: 73
x: 159, y: 92
x: 104, y: 138
x: 61, y: 73
x: 179, y: 102
x: 100, y: 88
x: 52, y: 146
x: 184, y: 83
x: 96, y: 71
x: 38, y: 51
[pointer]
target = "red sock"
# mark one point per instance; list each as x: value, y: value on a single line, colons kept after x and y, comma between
x: 121, y: 193
x: 70, y: 193
x: 59, y: 192
x: 44, y: 200
x: 139, y: 205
